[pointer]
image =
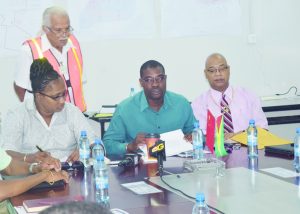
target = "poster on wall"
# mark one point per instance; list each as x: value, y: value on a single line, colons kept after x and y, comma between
x: 200, y: 18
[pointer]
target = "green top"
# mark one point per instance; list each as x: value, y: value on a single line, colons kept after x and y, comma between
x: 5, y: 206
x: 4, y: 160
x: 133, y: 116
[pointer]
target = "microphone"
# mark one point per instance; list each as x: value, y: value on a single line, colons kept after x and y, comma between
x: 131, y: 159
x: 158, y: 151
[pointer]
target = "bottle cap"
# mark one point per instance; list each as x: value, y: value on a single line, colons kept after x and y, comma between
x: 251, y: 121
x: 83, y: 133
x: 97, y: 141
x: 200, y: 197
x: 196, y: 124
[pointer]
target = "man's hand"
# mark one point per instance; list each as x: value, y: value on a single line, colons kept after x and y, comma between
x: 139, y: 139
x: 74, y: 156
x: 188, y: 138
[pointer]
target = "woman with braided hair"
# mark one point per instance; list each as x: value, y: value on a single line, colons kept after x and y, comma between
x: 45, y: 122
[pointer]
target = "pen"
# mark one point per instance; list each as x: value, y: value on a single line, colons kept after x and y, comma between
x: 39, y: 148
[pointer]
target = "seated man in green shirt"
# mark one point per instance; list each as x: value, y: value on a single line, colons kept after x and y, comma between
x: 153, y: 110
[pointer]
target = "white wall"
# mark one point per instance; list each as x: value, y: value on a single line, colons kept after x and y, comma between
x: 269, y: 66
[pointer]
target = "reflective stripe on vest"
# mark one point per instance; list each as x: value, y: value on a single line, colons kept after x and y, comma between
x: 74, y: 67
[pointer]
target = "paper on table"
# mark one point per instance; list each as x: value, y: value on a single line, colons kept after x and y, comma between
x: 281, y: 172
x: 175, y: 143
x: 141, y: 188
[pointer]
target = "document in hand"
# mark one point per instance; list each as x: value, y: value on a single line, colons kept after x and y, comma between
x: 37, y: 205
x: 265, y: 138
x: 175, y: 142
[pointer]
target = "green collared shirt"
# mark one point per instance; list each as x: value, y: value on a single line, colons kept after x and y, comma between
x: 133, y: 116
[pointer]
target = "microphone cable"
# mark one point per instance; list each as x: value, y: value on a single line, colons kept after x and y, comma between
x: 188, y: 196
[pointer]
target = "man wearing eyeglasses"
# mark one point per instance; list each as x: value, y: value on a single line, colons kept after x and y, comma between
x: 61, y: 48
x: 153, y: 110
x: 237, y: 104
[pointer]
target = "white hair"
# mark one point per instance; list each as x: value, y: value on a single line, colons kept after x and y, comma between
x: 50, y: 11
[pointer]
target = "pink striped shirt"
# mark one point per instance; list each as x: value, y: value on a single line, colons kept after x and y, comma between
x: 243, y: 105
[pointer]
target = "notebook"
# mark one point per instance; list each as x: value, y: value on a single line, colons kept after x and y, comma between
x: 286, y: 151
x: 37, y: 205
x: 44, y: 185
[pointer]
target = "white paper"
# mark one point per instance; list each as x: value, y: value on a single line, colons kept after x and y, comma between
x: 107, y: 110
x: 175, y: 142
x: 21, y: 210
x: 141, y: 188
x: 281, y: 172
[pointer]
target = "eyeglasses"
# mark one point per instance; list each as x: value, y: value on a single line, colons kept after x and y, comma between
x: 55, y: 98
x: 157, y: 79
x: 61, y: 31
x: 76, y: 165
x: 214, y: 70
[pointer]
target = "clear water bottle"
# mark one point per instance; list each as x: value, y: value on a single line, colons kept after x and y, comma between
x: 200, y: 206
x: 131, y: 92
x: 252, y: 140
x: 101, y: 182
x: 98, y: 150
x: 84, y: 149
x: 297, y: 151
x: 0, y: 123
x: 197, y: 136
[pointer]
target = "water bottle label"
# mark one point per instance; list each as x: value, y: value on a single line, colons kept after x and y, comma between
x: 84, y: 154
x: 296, y: 150
x: 252, y: 140
x: 102, y: 183
x: 197, y: 147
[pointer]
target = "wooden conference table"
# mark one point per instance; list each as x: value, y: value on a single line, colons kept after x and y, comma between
x: 164, y: 202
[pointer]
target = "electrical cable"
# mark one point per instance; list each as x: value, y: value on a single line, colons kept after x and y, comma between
x: 188, y: 196
x: 293, y: 87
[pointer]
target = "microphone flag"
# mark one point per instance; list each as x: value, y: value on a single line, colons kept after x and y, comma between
x: 219, y: 140
x: 210, y: 131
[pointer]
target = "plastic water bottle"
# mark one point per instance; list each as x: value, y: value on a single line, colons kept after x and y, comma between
x: 252, y: 140
x: 97, y: 151
x: 200, y: 206
x: 84, y: 149
x: 197, y: 136
x: 297, y: 151
x: 101, y: 181
x: 0, y: 123
x: 131, y: 92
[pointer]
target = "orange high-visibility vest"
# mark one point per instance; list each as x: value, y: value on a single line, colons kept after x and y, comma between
x: 74, y: 67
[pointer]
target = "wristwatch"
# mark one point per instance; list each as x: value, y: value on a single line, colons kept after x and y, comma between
x: 31, y: 167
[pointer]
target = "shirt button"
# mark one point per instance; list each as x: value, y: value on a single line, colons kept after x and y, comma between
x: 158, y: 127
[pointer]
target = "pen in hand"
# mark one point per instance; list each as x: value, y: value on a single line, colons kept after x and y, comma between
x: 39, y: 148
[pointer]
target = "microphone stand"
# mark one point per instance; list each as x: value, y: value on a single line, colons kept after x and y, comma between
x: 160, y: 164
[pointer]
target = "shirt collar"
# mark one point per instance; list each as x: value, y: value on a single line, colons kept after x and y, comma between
x: 46, y: 45
x: 144, y: 103
x: 30, y: 105
x: 218, y: 95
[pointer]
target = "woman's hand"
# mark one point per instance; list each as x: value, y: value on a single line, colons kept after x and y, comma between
x: 53, y: 176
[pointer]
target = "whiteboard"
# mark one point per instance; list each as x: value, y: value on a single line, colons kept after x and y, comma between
x: 116, y: 38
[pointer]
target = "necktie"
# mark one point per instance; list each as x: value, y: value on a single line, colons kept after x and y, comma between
x: 225, y: 110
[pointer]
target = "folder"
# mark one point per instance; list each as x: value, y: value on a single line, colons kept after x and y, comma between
x: 264, y: 138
